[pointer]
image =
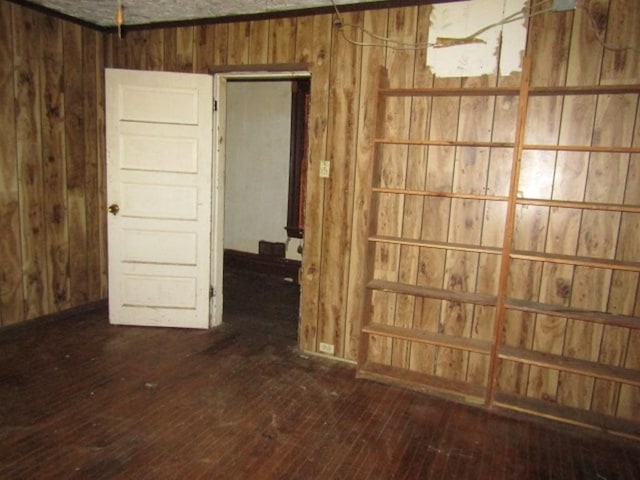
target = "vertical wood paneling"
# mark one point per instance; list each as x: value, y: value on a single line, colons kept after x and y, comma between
x: 154, y: 53
x: 101, y: 160
x: 399, y: 64
x: 29, y: 159
x: 53, y: 153
x: 372, y: 59
x: 560, y: 284
x: 76, y: 167
x: 341, y: 135
x: 238, y: 47
x: 185, y: 49
x: 137, y: 51
x: 204, y: 45
x: 404, y: 68
x: 620, y: 64
x: 170, y: 52
x: 548, y: 43
x: 221, y: 43
x: 320, y: 67
x: 11, y: 293
x: 94, y: 215
x: 435, y: 222
x: 178, y: 49
x: 304, y: 40
x: 416, y: 179
x: 281, y: 48
x: 259, y: 42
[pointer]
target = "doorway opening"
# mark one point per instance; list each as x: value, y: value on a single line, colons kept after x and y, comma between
x: 261, y: 134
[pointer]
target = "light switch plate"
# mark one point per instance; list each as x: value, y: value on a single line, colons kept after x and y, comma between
x: 325, y: 167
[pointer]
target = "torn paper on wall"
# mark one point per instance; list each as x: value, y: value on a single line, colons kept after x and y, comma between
x: 500, y: 47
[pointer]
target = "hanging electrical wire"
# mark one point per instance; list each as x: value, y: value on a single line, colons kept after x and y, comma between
x: 596, y: 33
x: 522, y: 14
x: 120, y: 18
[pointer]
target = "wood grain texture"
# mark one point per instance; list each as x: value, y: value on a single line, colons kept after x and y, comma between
x: 281, y: 48
x: 238, y: 46
x: 90, y: 73
x: 204, y: 44
x: 548, y: 44
x: 221, y: 43
x: 341, y: 135
x: 620, y: 64
x: 416, y: 179
x: 320, y: 66
x: 48, y: 114
x: 53, y: 153
x: 11, y: 289
x: 435, y: 221
x: 372, y: 60
x: 101, y: 161
x: 401, y: 66
x: 29, y: 159
x: 259, y: 42
x: 76, y: 166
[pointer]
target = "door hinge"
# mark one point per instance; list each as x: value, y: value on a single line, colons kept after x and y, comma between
x: 212, y: 292
x: 215, y: 105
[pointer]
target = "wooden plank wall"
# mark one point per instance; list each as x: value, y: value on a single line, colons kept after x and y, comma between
x: 340, y: 130
x: 52, y: 237
x: 563, y: 49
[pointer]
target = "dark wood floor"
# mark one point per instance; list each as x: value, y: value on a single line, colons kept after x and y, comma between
x: 82, y: 399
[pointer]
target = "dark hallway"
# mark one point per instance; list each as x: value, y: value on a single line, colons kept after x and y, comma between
x: 261, y: 304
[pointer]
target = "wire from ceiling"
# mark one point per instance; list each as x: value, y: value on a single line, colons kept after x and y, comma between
x: 523, y: 14
x: 596, y: 33
x: 441, y: 42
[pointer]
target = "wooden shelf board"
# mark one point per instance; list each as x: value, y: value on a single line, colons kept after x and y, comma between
x: 585, y: 90
x: 577, y: 261
x: 574, y: 313
x: 430, y: 193
x: 572, y: 365
x: 422, y: 382
x: 441, y: 340
x: 428, y: 292
x: 438, y: 245
x: 611, y: 207
x: 568, y: 415
x: 441, y: 143
x: 510, y: 91
x: 581, y: 148
x: 452, y: 92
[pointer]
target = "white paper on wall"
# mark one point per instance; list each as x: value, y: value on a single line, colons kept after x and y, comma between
x: 502, y: 46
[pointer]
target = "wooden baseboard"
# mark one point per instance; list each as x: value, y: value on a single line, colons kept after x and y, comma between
x: 262, y: 263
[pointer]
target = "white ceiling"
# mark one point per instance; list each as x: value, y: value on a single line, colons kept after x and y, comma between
x: 140, y: 12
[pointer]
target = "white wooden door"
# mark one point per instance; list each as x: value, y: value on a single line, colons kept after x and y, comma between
x: 159, y: 156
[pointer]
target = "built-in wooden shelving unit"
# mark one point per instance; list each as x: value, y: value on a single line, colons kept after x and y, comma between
x: 388, y: 334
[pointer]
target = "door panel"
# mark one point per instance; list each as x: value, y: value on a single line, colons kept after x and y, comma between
x: 159, y: 158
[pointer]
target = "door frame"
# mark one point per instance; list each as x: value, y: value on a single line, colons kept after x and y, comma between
x: 220, y: 80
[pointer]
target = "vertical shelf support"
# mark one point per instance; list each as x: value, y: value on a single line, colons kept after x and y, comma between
x: 509, y: 228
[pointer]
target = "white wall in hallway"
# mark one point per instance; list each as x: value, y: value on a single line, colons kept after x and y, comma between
x: 257, y: 165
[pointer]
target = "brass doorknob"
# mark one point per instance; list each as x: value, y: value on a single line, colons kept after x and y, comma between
x: 114, y: 209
